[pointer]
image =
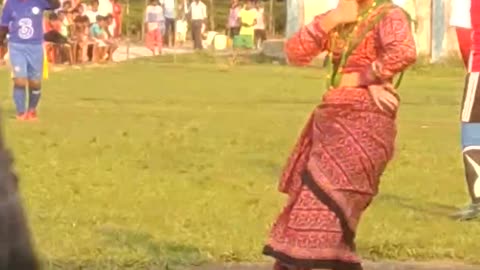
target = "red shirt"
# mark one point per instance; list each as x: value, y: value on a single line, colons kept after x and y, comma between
x: 53, y: 25
x: 475, y: 17
x: 117, y: 9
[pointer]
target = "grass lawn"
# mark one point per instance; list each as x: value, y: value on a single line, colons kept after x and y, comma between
x: 147, y: 163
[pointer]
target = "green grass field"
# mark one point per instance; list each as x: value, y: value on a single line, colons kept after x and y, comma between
x: 147, y: 164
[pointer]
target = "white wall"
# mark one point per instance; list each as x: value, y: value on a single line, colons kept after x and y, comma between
x: 315, y: 7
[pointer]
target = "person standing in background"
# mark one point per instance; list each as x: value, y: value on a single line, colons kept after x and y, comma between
x: 181, y: 26
x: 260, y: 34
x: 460, y: 19
x: 233, y: 27
x: 198, y: 15
x: 170, y: 14
x: 117, y: 17
x: 154, y: 26
x: 248, y: 19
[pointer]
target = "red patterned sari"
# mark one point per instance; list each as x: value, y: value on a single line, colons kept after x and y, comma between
x: 334, y: 171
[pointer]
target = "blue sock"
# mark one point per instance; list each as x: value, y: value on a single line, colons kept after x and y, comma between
x: 19, y: 97
x: 34, y: 98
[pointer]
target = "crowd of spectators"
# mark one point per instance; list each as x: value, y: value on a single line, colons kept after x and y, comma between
x: 78, y: 32
x: 169, y: 25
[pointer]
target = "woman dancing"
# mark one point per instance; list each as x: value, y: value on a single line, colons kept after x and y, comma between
x: 334, y: 171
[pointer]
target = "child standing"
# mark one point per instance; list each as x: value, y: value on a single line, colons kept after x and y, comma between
x: 260, y: 35
x: 181, y: 26
x: 233, y: 26
x: 182, y: 29
x: 154, y: 26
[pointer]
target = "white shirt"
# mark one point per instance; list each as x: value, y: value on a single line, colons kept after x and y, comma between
x: 92, y: 15
x: 111, y: 28
x: 198, y: 11
x: 153, y: 17
x: 167, y: 3
x: 105, y: 7
x: 169, y: 8
x: 460, y: 13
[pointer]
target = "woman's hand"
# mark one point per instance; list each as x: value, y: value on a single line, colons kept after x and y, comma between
x: 346, y: 11
x: 383, y: 96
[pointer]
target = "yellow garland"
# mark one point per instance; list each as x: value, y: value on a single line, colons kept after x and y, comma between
x: 360, y: 19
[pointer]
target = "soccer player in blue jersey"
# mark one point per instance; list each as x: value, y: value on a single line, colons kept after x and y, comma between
x: 22, y: 20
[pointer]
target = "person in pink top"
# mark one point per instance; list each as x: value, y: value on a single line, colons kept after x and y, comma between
x: 260, y: 34
x: 233, y: 27
x: 154, y: 26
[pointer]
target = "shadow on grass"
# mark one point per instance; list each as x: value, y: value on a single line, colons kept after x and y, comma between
x: 9, y: 113
x: 105, y: 265
x: 209, y: 57
x: 126, y: 102
x: 429, y: 208
x: 149, y: 253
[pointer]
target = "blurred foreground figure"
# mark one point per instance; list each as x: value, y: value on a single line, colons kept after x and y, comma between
x: 470, y: 117
x: 16, y: 249
x: 334, y: 171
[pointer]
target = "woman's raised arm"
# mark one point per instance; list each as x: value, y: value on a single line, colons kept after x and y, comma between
x: 311, y: 39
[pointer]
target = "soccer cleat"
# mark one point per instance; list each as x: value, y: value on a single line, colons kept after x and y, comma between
x: 32, y: 115
x: 468, y: 213
x: 22, y: 117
